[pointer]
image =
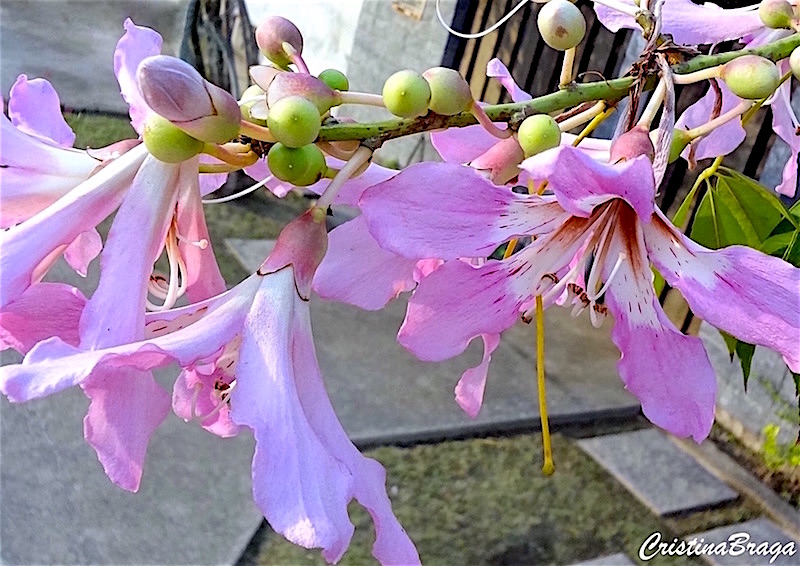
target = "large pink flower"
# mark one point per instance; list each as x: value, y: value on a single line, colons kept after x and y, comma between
x: 607, y: 233
x: 257, y: 340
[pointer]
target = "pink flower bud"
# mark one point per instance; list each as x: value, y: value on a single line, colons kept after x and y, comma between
x: 175, y: 90
x: 632, y: 144
x: 311, y: 88
x: 272, y: 33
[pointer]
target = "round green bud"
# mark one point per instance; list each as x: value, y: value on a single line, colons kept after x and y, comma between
x: 272, y: 33
x: 450, y: 93
x: 751, y: 77
x: 335, y: 79
x: 776, y: 14
x: 406, y: 94
x: 294, y: 121
x: 794, y: 62
x: 538, y: 133
x: 561, y: 24
x: 168, y: 143
x: 301, y: 166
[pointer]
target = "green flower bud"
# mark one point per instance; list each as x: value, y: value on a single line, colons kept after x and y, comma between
x: 335, y: 79
x: 751, y: 76
x: 406, y: 94
x: 168, y: 143
x: 538, y: 133
x: 450, y: 93
x: 561, y: 24
x: 302, y: 166
x: 794, y: 62
x: 253, y: 95
x: 776, y: 14
x: 294, y: 121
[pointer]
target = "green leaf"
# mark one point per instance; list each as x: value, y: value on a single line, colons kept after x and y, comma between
x: 730, y: 342
x: 704, y: 228
x: 762, y: 206
x: 744, y: 352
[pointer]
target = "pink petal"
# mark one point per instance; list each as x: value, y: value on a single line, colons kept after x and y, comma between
x: 125, y: 408
x: 470, y: 388
x: 786, y: 125
x: 137, y: 44
x: 458, y: 302
x: 358, y: 272
x: 203, y: 277
x: 194, y: 390
x: 724, y: 139
x: 667, y: 371
x: 690, y: 23
x: 27, y: 245
x: 115, y: 313
x: 581, y: 184
x: 497, y: 70
x: 462, y: 145
x: 34, y: 108
x: 305, y: 470
x: 451, y: 211
x: 43, y: 311
x: 185, y: 335
x: 746, y: 293
x: 83, y: 249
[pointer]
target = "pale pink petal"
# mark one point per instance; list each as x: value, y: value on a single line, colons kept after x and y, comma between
x: 581, y: 184
x: 125, y: 408
x: 137, y: 44
x: 690, y: 23
x: 186, y: 335
x: 451, y: 211
x: 305, y: 470
x: 746, y: 293
x: 43, y: 311
x: 26, y: 245
x: 722, y: 140
x: 203, y: 277
x: 462, y: 145
x: 392, y: 544
x: 786, y: 125
x: 195, y: 394
x: 34, y: 108
x: 359, y: 272
x: 497, y: 70
x: 300, y: 487
x: 83, y: 249
x: 667, y: 371
x: 470, y: 388
x: 115, y: 313
x: 459, y: 302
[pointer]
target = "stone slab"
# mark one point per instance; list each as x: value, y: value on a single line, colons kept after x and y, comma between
x: 383, y: 394
x: 57, y: 506
x: 758, y: 531
x: 618, y: 559
x: 657, y: 472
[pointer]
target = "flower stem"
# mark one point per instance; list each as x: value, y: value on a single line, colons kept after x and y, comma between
x: 697, y: 76
x: 582, y: 118
x: 709, y: 126
x: 230, y: 156
x: 360, y: 157
x: 256, y: 132
x: 568, y: 68
x: 366, y: 98
x: 488, y: 125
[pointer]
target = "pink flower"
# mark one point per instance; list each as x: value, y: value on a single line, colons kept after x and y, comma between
x: 256, y: 340
x: 592, y: 250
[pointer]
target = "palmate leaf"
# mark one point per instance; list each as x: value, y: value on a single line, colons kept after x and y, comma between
x: 738, y: 210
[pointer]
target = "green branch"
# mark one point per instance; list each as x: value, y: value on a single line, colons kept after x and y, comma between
x: 611, y: 91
